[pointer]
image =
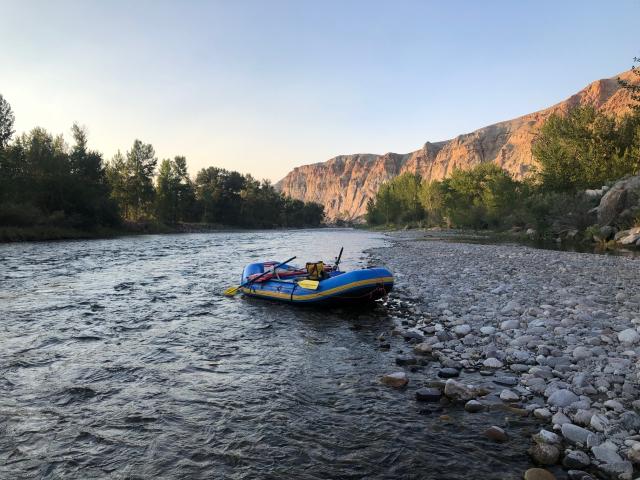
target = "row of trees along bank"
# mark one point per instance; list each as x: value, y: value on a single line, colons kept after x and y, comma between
x: 45, y: 183
x: 584, y: 149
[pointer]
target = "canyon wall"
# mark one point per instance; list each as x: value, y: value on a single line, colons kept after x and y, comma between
x: 344, y: 183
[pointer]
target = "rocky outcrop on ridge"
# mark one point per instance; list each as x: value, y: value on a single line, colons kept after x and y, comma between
x: 345, y: 183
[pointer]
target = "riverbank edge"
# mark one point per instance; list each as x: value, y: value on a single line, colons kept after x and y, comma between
x: 578, y: 243
x: 46, y: 233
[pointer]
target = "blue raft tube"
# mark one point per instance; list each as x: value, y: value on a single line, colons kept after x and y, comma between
x: 354, y: 287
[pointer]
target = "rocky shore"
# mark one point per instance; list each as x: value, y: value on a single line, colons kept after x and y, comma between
x: 547, y: 334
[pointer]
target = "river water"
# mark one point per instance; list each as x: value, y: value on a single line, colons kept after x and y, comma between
x: 120, y: 358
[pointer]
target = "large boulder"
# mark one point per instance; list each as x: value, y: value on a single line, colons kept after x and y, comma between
x: 619, y: 202
x: 629, y: 237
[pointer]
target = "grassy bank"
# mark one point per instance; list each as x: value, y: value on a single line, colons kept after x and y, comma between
x: 47, y: 233
x: 31, y: 234
x: 51, y: 233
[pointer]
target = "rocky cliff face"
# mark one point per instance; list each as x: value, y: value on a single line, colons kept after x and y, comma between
x: 345, y: 183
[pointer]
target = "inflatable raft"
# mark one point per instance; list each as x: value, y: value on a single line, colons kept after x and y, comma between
x: 285, y: 284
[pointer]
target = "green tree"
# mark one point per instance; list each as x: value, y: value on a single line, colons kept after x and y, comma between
x: 6, y: 122
x: 185, y: 202
x: 117, y: 177
x: 313, y: 214
x: 388, y: 203
x: 479, y: 197
x: 406, y: 188
x: 397, y: 200
x: 166, y: 193
x: 432, y: 198
x: 174, y: 191
x: 141, y: 165
x: 633, y: 87
x: 229, y: 198
x: 261, y: 204
x: 586, y: 149
x: 373, y: 216
x: 7, y: 166
x: 43, y: 181
x: 209, y: 192
x: 220, y: 190
x: 87, y: 188
x: 45, y: 170
x: 54, y: 184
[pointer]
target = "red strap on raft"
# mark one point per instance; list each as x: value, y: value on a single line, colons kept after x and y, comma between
x: 283, y: 273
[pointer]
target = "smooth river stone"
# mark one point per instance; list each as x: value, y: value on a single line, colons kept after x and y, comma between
x: 576, y: 459
x: 578, y: 475
x: 492, y: 363
x: 462, y: 330
x: 496, y: 434
x: 606, y: 452
x: 509, y: 396
x: 545, y: 436
x: 544, y: 454
x: 402, y: 360
x: 629, y: 336
x: 562, y: 398
x: 448, y: 373
x: 423, y: 348
x: 538, y: 474
x: 395, y: 380
x: 459, y: 391
x: 630, y: 421
x: 506, y: 380
x: 428, y: 394
x: 542, y: 414
x: 575, y: 434
x: 473, y: 406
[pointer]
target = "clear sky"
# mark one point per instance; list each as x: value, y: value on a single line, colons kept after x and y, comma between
x: 263, y: 86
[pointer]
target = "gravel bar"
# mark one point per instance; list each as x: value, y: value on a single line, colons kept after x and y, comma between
x: 561, y: 328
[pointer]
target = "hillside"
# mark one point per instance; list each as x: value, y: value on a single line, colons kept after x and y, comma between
x: 344, y: 183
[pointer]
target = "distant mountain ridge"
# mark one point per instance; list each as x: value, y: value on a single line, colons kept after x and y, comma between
x: 344, y: 183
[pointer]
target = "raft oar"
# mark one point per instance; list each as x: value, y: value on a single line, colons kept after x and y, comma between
x: 230, y: 292
x: 335, y: 266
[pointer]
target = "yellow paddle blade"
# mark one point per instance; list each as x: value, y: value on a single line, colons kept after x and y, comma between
x: 230, y: 292
x: 309, y: 284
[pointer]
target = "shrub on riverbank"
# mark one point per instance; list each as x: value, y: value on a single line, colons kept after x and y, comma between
x: 585, y: 149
